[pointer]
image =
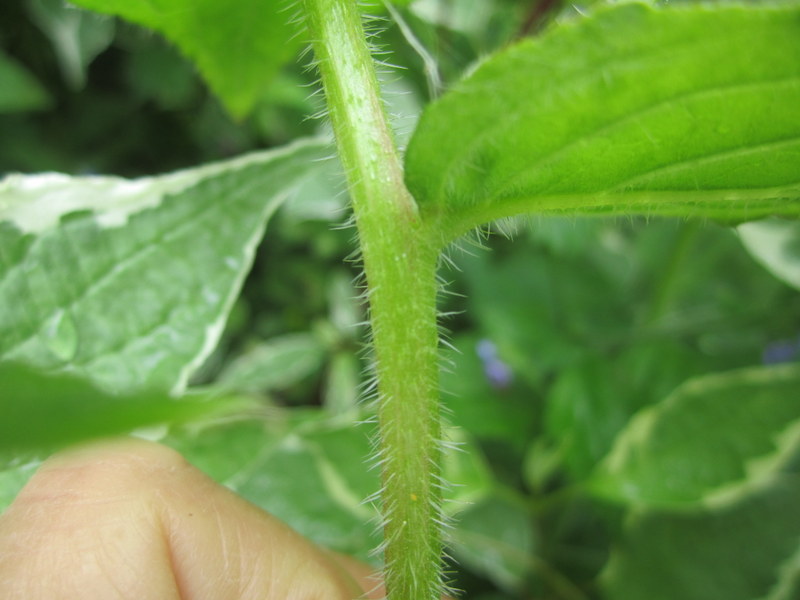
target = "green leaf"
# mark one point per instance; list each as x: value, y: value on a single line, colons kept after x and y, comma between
x: 590, y: 403
x: 274, y: 365
x: 129, y: 282
x: 238, y: 46
x: 154, y: 62
x: 77, y: 36
x: 495, y: 538
x: 42, y: 412
x: 776, y: 245
x: 19, y: 90
x: 466, y: 468
x: 746, y: 551
x: 342, y: 382
x: 683, y: 110
x: 712, y: 440
x: 489, y: 413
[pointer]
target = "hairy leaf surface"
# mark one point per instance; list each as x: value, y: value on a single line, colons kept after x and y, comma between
x: 682, y: 110
x: 129, y: 282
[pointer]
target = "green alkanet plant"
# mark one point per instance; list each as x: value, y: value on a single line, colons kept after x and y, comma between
x: 690, y: 110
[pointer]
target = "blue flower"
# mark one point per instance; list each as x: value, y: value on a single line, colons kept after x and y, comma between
x: 781, y: 352
x: 497, y: 372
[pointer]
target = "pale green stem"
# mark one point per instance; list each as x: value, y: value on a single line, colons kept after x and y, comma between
x: 400, y: 257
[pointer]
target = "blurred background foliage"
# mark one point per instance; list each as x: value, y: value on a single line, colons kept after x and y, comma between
x: 558, y: 334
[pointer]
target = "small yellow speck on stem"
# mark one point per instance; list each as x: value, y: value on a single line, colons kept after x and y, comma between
x: 413, y: 497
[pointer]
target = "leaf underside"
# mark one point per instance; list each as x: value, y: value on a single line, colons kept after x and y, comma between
x: 42, y: 412
x: 689, y: 110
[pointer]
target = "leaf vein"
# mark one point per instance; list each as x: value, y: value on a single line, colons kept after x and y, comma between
x: 610, y: 126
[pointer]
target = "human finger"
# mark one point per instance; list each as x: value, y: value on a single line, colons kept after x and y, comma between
x: 129, y: 519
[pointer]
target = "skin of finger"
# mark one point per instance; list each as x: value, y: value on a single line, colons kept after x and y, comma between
x: 131, y: 519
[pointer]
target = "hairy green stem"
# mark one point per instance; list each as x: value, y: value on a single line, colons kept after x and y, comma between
x: 400, y: 257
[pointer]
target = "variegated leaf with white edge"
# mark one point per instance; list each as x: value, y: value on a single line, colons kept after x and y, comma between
x: 129, y: 282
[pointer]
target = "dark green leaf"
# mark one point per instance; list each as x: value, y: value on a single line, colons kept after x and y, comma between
x: 495, y: 537
x: 238, y: 46
x: 589, y: 404
x: 19, y: 90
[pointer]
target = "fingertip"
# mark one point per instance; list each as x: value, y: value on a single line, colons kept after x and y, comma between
x: 135, y: 516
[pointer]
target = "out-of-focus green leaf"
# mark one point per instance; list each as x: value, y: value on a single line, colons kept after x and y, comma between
x: 153, y: 64
x: 542, y: 313
x: 19, y: 90
x: 776, y: 245
x: 637, y: 108
x: 129, y: 282
x: 342, y: 383
x: 41, y: 412
x: 78, y: 36
x: 714, y: 438
x: 484, y: 409
x: 495, y: 537
x: 744, y: 551
x: 591, y: 403
x: 274, y: 365
x: 465, y: 467
x: 238, y: 46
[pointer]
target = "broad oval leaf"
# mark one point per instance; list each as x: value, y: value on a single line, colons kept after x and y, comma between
x: 713, y: 439
x: 129, y: 282
x: 238, y: 46
x: 687, y: 110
